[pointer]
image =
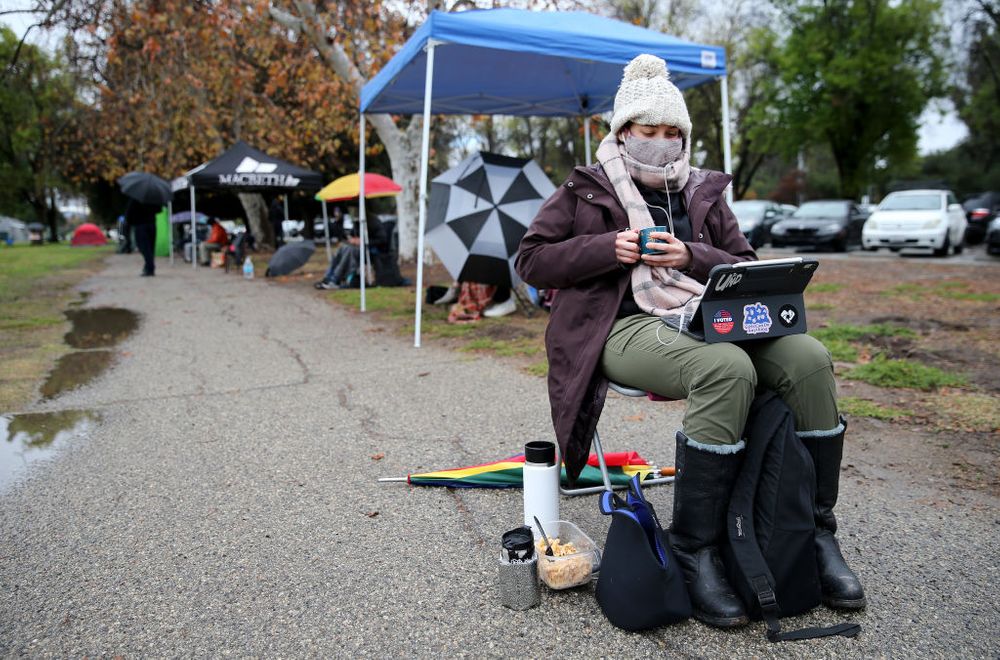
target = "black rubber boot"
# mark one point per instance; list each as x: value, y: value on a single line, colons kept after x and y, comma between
x: 841, y: 587
x: 701, y: 497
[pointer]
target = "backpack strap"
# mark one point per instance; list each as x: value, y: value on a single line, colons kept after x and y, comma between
x: 766, y: 417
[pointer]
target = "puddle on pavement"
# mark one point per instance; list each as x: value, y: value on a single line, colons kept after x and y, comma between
x: 27, y: 438
x: 75, y: 369
x: 100, y: 327
x: 93, y: 330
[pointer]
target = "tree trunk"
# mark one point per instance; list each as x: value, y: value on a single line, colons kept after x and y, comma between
x: 52, y: 217
x: 256, y: 210
x: 403, y: 147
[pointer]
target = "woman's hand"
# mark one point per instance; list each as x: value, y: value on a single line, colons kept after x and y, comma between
x: 671, y: 254
x: 627, y: 247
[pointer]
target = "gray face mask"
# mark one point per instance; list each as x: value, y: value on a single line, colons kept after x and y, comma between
x: 656, y: 152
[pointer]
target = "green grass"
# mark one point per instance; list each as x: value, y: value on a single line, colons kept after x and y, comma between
x: 843, y: 332
x: 23, y: 266
x: 36, y: 286
x: 841, y: 350
x: 977, y: 297
x: 886, y: 372
x: 504, y: 347
x: 858, y: 407
x: 840, y: 339
x: 947, y: 289
x: 826, y: 287
x: 377, y: 299
x: 538, y: 368
x: 29, y: 322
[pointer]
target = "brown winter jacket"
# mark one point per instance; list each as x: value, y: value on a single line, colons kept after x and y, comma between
x: 570, y: 246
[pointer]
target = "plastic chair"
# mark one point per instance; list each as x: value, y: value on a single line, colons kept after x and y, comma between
x: 624, y: 390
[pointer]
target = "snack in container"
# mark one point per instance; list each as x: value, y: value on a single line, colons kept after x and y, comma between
x: 575, y: 558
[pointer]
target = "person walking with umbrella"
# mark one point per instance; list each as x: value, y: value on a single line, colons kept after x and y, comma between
x: 147, y: 194
x: 606, y: 324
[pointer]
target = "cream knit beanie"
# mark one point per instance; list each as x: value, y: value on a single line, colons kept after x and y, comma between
x: 646, y: 96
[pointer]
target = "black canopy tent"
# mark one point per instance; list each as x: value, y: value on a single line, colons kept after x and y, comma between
x: 243, y: 168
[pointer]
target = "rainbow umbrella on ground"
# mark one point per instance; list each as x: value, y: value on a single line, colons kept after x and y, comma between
x: 507, y: 473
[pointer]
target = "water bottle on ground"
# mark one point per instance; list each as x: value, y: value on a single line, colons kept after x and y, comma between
x: 541, y: 483
x: 248, y: 268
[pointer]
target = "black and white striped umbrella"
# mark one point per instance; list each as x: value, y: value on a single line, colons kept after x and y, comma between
x: 478, y: 212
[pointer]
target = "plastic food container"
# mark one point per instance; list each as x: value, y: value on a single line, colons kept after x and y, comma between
x: 576, y: 557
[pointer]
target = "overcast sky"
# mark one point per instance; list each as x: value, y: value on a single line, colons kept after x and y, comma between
x: 940, y: 128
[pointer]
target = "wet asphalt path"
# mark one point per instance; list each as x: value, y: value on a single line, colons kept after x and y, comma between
x: 226, y: 504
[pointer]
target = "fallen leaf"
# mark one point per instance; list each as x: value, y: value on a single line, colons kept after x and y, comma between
x: 423, y: 373
x: 378, y: 457
x: 372, y: 514
x: 635, y: 418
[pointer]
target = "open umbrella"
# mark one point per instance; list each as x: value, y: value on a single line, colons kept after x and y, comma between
x: 507, y: 473
x: 478, y: 212
x: 349, y: 187
x: 289, y: 257
x: 145, y: 188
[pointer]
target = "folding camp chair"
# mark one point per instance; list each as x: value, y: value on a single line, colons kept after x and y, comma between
x: 599, y: 450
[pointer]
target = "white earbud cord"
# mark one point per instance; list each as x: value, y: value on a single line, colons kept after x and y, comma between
x: 680, y: 326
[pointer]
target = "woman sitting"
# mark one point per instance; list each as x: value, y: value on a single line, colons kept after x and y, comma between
x: 604, y: 323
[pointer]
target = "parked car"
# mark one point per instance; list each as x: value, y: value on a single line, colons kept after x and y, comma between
x: 993, y: 237
x: 788, y: 209
x: 917, y: 219
x: 830, y: 223
x: 980, y: 210
x: 756, y: 217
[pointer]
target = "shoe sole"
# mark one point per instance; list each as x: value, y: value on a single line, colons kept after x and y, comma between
x: 856, y: 604
x: 721, y: 622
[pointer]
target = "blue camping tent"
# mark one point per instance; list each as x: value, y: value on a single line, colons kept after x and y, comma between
x: 519, y: 62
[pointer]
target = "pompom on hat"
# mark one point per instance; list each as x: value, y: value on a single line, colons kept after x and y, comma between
x: 646, y: 96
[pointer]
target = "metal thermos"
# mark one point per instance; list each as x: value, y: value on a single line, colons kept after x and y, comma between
x: 541, y: 483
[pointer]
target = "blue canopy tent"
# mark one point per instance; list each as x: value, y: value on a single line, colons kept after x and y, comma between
x: 518, y: 62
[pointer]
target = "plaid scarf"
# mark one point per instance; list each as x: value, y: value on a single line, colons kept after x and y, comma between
x: 657, y: 291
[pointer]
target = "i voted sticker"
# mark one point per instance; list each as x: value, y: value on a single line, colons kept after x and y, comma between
x: 723, y: 322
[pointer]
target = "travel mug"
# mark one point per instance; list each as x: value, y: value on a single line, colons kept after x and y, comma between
x: 517, y: 572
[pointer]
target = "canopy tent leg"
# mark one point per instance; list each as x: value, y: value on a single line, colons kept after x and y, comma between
x: 422, y: 200
x: 727, y: 163
x: 586, y: 139
x: 326, y: 232
x: 194, y: 232
x: 362, y: 212
x: 170, y: 227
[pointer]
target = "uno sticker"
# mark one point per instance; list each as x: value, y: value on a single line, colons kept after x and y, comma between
x: 723, y: 322
x: 756, y: 319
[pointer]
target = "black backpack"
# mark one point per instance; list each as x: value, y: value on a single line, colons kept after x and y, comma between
x: 770, y: 555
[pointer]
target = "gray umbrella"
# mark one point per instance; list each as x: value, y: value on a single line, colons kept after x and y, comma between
x: 289, y: 257
x: 145, y: 188
x: 478, y: 212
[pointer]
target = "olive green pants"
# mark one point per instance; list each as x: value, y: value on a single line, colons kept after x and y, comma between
x: 720, y: 380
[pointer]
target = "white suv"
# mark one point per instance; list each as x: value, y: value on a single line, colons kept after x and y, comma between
x: 916, y: 219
